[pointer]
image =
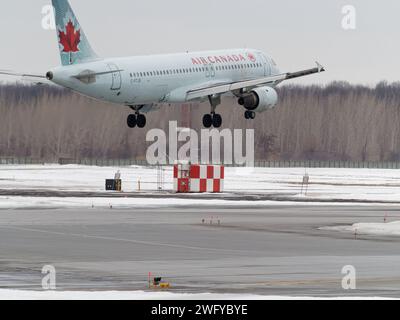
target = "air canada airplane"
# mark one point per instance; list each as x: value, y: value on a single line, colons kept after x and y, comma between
x: 144, y: 83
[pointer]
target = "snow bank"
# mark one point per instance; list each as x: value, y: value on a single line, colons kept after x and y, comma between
x: 6, y: 294
x: 379, y: 229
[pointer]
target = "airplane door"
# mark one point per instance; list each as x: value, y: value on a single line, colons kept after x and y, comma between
x: 115, y: 76
x: 210, y: 71
x: 266, y: 64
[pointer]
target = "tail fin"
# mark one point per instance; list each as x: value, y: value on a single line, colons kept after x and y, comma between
x: 74, y: 46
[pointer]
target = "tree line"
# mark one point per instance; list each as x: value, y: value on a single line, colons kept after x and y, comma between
x: 338, y: 121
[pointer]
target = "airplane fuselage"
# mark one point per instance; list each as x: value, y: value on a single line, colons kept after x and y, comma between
x: 154, y: 79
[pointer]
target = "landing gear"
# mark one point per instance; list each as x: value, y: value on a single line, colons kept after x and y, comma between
x: 207, y: 121
x: 141, y: 121
x: 213, y: 119
x: 132, y: 121
x: 250, y: 115
x: 136, y: 120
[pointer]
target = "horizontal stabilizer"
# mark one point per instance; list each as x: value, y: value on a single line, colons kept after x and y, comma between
x: 16, y: 74
x: 32, y: 78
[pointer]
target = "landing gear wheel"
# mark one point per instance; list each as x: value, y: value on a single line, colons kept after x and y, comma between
x: 217, y: 120
x: 207, y: 121
x: 250, y: 115
x: 132, y: 121
x: 141, y: 121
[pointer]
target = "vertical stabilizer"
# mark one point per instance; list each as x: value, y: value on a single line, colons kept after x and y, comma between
x: 74, y: 46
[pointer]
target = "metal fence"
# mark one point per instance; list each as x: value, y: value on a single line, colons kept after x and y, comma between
x: 258, y: 163
x: 328, y: 164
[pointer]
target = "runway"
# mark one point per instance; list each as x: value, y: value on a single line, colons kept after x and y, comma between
x: 268, y: 250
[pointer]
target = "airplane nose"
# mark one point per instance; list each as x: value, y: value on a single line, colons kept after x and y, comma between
x: 49, y: 75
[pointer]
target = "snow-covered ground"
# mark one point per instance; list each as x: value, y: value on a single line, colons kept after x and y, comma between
x: 325, y: 184
x: 378, y: 229
x: 142, y: 295
x: 17, y: 202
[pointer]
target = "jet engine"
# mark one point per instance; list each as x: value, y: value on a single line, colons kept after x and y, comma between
x: 259, y: 99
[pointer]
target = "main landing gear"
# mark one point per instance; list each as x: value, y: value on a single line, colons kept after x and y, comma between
x: 137, y: 119
x: 250, y: 115
x: 213, y: 119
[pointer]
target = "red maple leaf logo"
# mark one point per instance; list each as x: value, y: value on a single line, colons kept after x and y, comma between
x: 251, y: 57
x: 70, y: 39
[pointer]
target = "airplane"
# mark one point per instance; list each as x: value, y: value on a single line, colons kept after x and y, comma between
x: 144, y: 83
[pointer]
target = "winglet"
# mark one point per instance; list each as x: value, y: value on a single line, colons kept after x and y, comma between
x: 321, y: 68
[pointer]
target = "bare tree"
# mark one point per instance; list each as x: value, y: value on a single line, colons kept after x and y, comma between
x: 335, y: 122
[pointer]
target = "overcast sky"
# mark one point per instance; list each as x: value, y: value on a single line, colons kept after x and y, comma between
x: 295, y: 33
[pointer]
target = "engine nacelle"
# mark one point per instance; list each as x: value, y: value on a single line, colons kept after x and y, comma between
x: 260, y: 99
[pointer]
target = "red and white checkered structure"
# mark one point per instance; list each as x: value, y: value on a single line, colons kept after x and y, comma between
x: 197, y: 178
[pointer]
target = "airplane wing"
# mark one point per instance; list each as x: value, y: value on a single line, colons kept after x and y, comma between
x: 235, y: 86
